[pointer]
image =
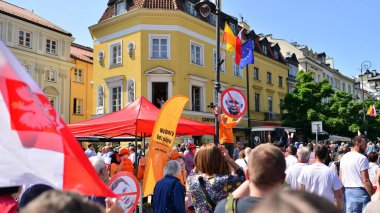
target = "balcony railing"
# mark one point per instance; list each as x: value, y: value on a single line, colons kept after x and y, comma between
x: 271, y: 116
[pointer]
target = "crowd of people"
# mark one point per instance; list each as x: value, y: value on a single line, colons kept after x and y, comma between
x: 229, y: 177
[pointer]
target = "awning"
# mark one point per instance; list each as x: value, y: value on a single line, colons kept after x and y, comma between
x: 338, y: 138
x: 262, y: 129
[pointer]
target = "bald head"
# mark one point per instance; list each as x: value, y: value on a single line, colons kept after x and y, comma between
x: 266, y: 166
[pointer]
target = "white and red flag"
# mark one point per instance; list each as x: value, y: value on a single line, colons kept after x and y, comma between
x: 35, y: 144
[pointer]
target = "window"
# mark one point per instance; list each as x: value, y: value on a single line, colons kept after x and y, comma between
x: 343, y: 87
x: 275, y: 54
x: 257, y: 102
x: 78, y: 75
x: 197, y: 93
x: 115, y: 54
x: 281, y: 103
x: 256, y: 73
x: 78, y: 106
x: 159, y: 46
x: 269, y: 77
x: 196, y: 98
x: 190, y: 9
x: 222, y: 56
x: 264, y: 47
x: 54, y: 102
x: 279, y: 81
x: 233, y: 27
x: 51, y: 75
x: 115, y: 99
x: 212, y: 19
x: 236, y: 68
x: 270, y: 104
x: 349, y: 89
x: 51, y: 46
x: 120, y: 8
x: 27, y: 69
x: 25, y: 39
x: 196, y: 53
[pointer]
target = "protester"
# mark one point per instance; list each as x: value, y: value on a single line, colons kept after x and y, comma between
x: 132, y: 155
x: 354, y: 175
x: 61, y: 202
x: 174, y: 155
x: 189, y: 158
x: 100, y: 168
x: 100, y: 151
x: 320, y: 179
x: 241, y: 159
x: 212, y: 180
x: 33, y: 192
x: 373, y: 168
x: 291, y: 159
x: 141, y: 168
x: 169, y: 194
x: 8, y: 198
x: 293, y: 172
x: 226, y: 137
x: 239, y: 147
x: 125, y: 163
x: 90, y: 150
x: 290, y: 201
x: 266, y: 172
x: 310, y: 146
x: 115, y: 163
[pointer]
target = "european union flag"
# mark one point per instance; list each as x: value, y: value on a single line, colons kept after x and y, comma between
x: 247, y: 54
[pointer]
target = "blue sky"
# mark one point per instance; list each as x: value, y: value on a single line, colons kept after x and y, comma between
x: 347, y: 31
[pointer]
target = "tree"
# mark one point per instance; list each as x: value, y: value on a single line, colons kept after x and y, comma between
x: 305, y: 104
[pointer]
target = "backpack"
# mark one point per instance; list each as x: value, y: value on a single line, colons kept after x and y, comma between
x: 231, y: 204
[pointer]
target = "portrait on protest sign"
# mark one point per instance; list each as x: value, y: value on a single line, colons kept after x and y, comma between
x: 234, y: 103
x: 125, y: 185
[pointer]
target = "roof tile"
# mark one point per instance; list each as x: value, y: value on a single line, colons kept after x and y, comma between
x: 23, y: 14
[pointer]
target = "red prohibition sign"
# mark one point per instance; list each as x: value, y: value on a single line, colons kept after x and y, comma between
x: 127, y: 188
x: 234, y: 103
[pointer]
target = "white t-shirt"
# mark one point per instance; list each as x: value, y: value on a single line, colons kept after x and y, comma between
x: 351, y: 164
x: 293, y: 173
x: 242, y: 163
x: 321, y: 180
x: 372, y: 171
x: 290, y: 160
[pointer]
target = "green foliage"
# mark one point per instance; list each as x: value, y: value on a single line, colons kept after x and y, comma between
x: 317, y: 101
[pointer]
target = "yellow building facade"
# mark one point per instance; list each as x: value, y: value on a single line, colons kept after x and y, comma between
x: 81, y: 80
x: 166, y: 50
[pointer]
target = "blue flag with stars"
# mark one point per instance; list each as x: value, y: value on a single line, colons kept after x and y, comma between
x: 247, y: 54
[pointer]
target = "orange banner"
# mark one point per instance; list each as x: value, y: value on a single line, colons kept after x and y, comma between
x: 161, y: 142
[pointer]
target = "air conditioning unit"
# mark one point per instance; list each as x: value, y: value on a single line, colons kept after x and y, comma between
x: 100, y: 56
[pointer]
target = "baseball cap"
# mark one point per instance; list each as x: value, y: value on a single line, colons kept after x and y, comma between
x: 124, y: 151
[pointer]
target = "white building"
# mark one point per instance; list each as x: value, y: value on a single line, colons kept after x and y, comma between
x: 318, y: 63
x: 44, y: 50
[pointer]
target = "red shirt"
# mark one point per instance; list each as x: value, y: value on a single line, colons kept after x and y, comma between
x: 8, y: 204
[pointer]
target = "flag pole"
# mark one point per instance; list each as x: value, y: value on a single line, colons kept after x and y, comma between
x: 249, y: 110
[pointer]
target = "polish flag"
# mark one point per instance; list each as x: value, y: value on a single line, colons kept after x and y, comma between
x: 35, y: 144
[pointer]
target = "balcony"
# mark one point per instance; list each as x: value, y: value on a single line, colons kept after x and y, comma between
x: 271, y: 116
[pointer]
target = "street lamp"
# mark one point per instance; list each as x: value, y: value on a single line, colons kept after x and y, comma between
x: 205, y: 7
x: 366, y: 65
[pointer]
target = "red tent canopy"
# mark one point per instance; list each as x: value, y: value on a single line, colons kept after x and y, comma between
x: 136, y: 119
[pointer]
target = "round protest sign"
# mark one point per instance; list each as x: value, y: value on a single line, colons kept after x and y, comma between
x: 234, y: 103
x: 126, y: 186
